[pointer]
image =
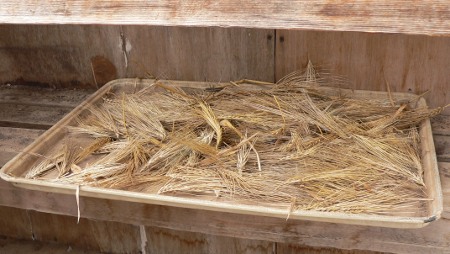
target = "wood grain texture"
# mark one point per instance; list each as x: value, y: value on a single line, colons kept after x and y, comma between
x: 15, y: 223
x: 102, y: 236
x: 36, y: 108
x: 28, y: 95
x: 444, y: 169
x: 18, y: 246
x: 13, y: 141
x: 283, y: 248
x: 58, y: 56
x: 200, y: 54
x: 440, y: 125
x: 160, y: 241
x: 397, y: 16
x: 31, y: 116
x: 442, y: 146
x: 77, y: 56
x: 408, y: 63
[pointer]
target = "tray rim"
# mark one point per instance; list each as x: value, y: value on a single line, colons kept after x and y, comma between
x: 191, y: 203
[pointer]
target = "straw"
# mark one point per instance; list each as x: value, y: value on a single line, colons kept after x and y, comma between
x: 295, y: 145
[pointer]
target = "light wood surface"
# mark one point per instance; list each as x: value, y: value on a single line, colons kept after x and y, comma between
x: 103, y: 236
x: 397, y: 16
x: 160, y: 240
x: 371, y: 61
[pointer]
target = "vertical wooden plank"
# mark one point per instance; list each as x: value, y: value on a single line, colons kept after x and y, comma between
x: 20, y: 246
x: 161, y: 240
x: 202, y: 54
x: 72, y: 55
x: 442, y: 146
x: 101, y: 236
x: 60, y: 55
x: 15, y: 223
x: 409, y: 63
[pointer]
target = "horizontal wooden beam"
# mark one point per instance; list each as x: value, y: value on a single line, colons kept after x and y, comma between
x: 35, y: 108
x: 14, y: 140
x: 36, y: 96
x: 396, y: 16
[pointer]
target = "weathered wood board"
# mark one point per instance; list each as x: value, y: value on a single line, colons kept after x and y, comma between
x: 200, y: 54
x: 396, y: 16
x: 77, y: 56
x: 283, y: 248
x: 15, y: 222
x: 57, y: 56
x: 60, y: 56
x: 19, y: 246
x: 14, y: 140
x: 160, y: 240
x: 371, y: 61
x: 442, y: 145
x: 103, y: 236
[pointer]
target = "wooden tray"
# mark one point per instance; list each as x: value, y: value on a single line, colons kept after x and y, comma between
x: 15, y: 169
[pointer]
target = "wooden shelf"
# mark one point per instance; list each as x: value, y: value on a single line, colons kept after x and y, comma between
x: 396, y: 16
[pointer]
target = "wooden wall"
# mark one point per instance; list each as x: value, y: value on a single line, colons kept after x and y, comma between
x: 88, y: 56
x: 71, y: 56
x: 368, y: 61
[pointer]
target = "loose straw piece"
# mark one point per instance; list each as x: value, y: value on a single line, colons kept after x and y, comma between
x: 143, y: 235
x: 77, y: 197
